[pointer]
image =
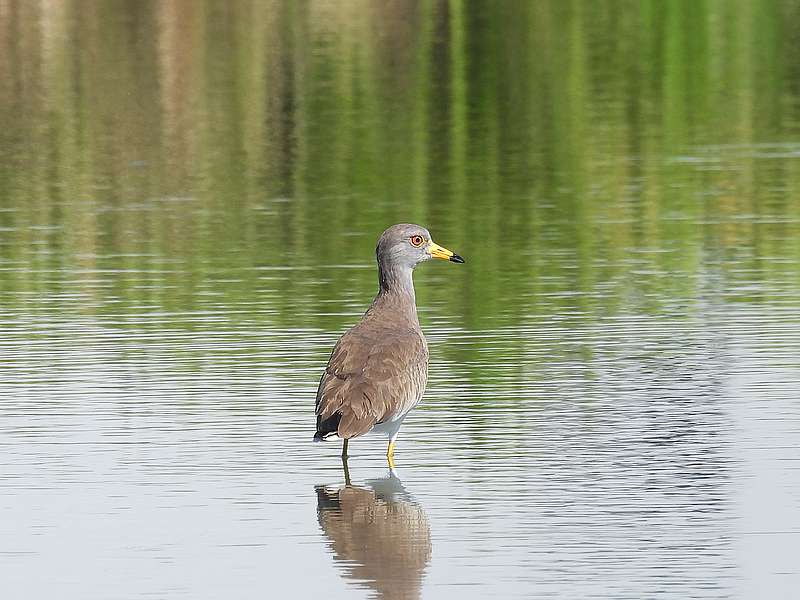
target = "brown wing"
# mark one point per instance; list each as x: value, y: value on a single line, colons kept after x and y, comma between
x: 374, y: 374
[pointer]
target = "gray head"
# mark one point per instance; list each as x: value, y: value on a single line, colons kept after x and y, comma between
x: 401, y: 248
x: 406, y: 245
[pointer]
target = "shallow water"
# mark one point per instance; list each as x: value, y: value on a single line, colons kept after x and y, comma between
x: 189, y: 200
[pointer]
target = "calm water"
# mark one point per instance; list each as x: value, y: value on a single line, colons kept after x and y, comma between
x: 190, y: 194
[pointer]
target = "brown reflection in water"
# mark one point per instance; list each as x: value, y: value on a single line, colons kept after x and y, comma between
x: 379, y: 536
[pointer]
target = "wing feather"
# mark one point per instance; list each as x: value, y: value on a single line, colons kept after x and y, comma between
x: 375, y: 374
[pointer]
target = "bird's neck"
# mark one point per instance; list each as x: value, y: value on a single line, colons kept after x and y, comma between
x: 396, y: 280
x: 397, y: 290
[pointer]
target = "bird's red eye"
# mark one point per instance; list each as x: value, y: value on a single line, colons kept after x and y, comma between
x: 417, y: 241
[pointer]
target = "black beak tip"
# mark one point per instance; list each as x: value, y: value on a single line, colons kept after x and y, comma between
x: 456, y: 259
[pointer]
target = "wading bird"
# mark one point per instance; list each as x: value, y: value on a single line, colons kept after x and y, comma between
x: 378, y: 369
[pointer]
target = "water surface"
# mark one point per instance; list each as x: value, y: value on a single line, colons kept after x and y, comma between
x: 190, y: 195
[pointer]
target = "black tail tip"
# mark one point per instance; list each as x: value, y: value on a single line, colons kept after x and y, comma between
x: 327, y: 427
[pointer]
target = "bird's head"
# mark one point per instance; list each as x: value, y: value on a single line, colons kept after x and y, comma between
x: 407, y: 245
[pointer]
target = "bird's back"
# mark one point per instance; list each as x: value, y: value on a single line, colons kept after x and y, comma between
x: 376, y: 373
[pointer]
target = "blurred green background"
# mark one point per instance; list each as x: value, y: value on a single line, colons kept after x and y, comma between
x: 587, y: 158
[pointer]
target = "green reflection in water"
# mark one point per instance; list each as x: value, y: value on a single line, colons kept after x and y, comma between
x: 589, y: 159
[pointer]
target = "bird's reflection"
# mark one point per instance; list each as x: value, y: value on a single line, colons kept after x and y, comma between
x: 379, y: 535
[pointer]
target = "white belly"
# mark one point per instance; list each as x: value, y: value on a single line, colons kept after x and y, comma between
x: 388, y: 429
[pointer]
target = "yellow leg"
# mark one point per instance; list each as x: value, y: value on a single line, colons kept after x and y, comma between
x: 344, y: 448
x: 390, y: 451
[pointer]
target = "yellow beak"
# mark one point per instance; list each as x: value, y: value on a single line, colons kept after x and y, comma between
x: 437, y: 251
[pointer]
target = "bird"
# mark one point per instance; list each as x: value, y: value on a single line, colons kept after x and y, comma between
x: 378, y: 370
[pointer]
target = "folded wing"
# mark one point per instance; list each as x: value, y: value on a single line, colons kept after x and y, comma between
x: 374, y: 375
